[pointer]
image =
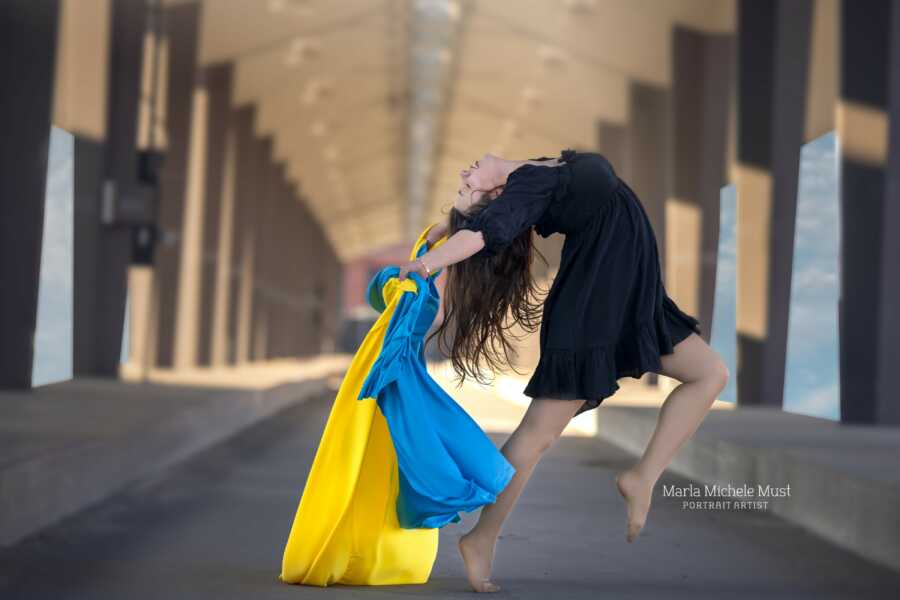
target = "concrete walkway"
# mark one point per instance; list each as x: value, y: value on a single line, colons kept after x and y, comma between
x: 215, y: 527
x: 67, y: 445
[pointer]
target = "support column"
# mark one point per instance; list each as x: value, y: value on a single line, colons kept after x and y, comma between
x: 309, y: 330
x: 644, y: 164
x: 330, y: 279
x: 296, y: 275
x: 612, y: 140
x: 81, y: 106
x: 697, y: 158
x: 262, y: 203
x: 304, y: 275
x: 329, y: 290
x: 182, y: 32
x: 868, y: 127
x: 279, y: 264
x: 129, y: 23
x: 647, y: 158
x: 217, y: 215
x: 248, y: 186
x: 221, y: 350
x: 774, y: 38
x: 27, y: 62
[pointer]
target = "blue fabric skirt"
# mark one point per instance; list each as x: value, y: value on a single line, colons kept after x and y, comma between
x: 446, y: 463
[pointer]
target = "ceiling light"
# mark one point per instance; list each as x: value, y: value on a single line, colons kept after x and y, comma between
x: 551, y: 56
x: 298, y: 7
x: 331, y: 153
x: 316, y: 90
x: 580, y: 7
x: 531, y: 96
x: 302, y: 50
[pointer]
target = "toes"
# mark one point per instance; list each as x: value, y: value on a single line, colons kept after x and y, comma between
x: 634, y: 529
x: 472, y: 562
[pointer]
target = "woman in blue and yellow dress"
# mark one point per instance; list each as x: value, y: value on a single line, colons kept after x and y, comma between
x: 398, y: 458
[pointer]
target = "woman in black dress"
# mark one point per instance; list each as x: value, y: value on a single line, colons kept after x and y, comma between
x: 606, y: 316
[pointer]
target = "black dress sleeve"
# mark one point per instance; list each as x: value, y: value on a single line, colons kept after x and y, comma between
x: 529, y: 191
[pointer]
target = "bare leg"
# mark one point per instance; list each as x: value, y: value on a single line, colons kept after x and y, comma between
x: 541, y: 426
x: 703, y: 376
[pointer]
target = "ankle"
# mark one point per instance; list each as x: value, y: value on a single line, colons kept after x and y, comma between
x: 480, y: 536
x: 642, y: 476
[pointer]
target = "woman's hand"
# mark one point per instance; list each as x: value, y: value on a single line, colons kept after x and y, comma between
x: 414, y: 266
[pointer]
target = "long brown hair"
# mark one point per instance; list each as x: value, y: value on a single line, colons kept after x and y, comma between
x: 484, y: 297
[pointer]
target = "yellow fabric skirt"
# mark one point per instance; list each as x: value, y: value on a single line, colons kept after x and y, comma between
x: 345, y: 530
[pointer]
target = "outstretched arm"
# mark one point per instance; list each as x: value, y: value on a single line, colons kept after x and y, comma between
x: 459, y: 246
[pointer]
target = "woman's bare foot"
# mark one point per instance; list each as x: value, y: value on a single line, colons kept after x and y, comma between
x: 477, y: 556
x: 637, y: 495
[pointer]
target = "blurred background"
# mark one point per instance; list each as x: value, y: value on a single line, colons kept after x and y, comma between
x: 195, y: 194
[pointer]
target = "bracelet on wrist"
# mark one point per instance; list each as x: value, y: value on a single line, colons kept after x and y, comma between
x: 427, y: 270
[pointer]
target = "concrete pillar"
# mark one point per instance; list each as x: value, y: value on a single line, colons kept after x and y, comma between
x: 886, y: 404
x: 223, y: 293
x: 240, y: 147
x: 824, y: 59
x: 189, y: 309
x: 292, y: 271
x: 27, y: 67
x: 329, y: 283
x: 81, y: 106
x: 869, y: 131
x: 612, y: 139
x: 108, y: 299
x: 182, y: 32
x: 297, y: 275
x: 218, y: 202
x: 262, y: 205
x: 329, y: 290
x: 310, y: 329
x: 644, y: 164
x: 305, y: 275
x: 280, y: 265
x: 247, y: 185
x: 702, y: 89
x: 646, y: 148
x: 320, y: 304
x: 319, y: 278
x: 774, y: 38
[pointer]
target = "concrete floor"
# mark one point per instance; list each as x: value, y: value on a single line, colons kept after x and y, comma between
x: 215, y: 527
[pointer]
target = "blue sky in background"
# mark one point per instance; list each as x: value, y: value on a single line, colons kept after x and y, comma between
x: 812, y: 382
x: 53, y: 338
x: 723, y: 338
x: 812, y: 376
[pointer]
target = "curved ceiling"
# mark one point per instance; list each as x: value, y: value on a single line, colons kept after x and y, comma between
x: 375, y: 105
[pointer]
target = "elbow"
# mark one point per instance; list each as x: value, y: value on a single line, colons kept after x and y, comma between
x: 474, y: 240
x: 479, y: 243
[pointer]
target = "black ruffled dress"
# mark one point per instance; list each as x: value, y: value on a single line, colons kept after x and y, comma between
x: 607, y: 314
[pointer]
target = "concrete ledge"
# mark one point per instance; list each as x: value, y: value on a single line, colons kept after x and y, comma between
x: 844, y: 479
x: 68, y: 445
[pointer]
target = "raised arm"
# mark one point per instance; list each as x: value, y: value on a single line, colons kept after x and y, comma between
x: 459, y: 246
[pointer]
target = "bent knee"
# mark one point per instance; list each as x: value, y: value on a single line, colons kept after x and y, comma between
x: 719, y: 374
